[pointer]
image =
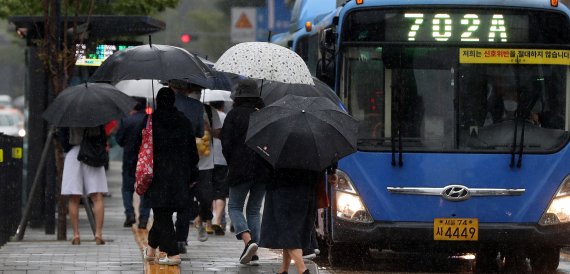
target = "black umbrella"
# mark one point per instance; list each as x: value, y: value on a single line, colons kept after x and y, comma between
x: 160, y: 62
x: 88, y: 105
x: 272, y: 91
x: 302, y: 132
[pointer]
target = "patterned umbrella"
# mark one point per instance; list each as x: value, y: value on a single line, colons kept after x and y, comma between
x: 265, y: 61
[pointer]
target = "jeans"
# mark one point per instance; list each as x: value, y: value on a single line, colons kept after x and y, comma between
x: 128, y: 190
x: 238, y: 194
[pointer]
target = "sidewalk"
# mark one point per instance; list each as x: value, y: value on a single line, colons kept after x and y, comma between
x: 41, y: 253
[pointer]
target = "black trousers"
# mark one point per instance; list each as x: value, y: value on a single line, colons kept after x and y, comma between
x: 203, y: 193
x: 162, y: 232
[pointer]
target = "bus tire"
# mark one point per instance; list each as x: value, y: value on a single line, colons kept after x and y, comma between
x: 545, y: 260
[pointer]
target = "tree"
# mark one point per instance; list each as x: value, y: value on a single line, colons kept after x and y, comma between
x: 56, y: 48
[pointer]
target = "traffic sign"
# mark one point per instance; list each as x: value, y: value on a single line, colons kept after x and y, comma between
x: 244, y: 25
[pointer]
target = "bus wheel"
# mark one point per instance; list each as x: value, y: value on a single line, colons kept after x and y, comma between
x: 545, y: 260
x: 341, y: 255
x: 486, y: 261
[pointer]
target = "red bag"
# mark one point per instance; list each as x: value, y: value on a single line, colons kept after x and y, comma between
x: 322, y: 199
x: 144, y: 171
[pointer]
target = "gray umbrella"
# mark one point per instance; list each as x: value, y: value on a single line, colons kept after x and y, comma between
x: 88, y: 105
x: 159, y: 62
x: 302, y: 132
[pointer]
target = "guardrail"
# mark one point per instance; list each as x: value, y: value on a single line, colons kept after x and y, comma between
x: 11, y: 165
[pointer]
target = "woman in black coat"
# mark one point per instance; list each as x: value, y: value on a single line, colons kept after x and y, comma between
x: 175, y: 159
x: 247, y: 172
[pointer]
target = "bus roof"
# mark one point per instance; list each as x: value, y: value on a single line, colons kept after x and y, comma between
x: 308, y: 10
x: 543, y: 4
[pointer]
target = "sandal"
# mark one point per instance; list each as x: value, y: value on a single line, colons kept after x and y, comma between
x: 169, y: 261
x: 146, y: 257
x: 99, y: 241
x: 76, y: 241
x: 218, y: 230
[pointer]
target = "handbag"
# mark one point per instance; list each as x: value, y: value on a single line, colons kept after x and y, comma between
x: 144, y: 171
x: 93, y: 149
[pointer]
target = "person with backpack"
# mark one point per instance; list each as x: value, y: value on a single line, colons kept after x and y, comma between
x: 84, y: 174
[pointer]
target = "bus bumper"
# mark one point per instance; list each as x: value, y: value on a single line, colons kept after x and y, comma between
x: 417, y: 236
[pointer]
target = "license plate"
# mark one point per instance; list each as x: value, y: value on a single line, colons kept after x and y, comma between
x: 456, y: 229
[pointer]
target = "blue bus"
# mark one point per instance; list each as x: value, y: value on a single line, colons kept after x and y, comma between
x: 308, y: 18
x: 463, y: 139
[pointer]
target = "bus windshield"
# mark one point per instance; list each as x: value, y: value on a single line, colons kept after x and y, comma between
x: 454, y: 95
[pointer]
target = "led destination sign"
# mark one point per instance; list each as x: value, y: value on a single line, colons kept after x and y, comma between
x: 95, y: 56
x: 455, y: 25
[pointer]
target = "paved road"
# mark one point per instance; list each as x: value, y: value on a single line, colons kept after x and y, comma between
x: 41, y: 253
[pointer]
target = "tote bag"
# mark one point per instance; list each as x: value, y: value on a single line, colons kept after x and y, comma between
x: 144, y: 171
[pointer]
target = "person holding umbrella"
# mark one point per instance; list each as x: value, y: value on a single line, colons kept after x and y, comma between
x: 175, y: 160
x: 129, y: 137
x: 247, y: 172
x: 85, y: 109
x: 82, y: 177
x: 301, y: 137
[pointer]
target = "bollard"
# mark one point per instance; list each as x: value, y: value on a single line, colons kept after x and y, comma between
x: 4, y: 191
x: 15, y: 179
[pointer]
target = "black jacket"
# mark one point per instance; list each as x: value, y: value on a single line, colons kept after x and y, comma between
x: 175, y: 160
x: 244, y: 165
x: 129, y: 137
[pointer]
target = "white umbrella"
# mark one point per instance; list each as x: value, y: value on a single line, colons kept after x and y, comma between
x: 139, y: 88
x: 265, y: 61
x: 211, y: 95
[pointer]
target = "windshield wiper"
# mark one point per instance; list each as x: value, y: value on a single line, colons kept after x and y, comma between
x: 396, y: 125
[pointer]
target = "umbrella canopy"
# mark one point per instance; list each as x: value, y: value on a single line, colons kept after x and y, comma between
x: 302, y: 132
x: 88, y: 105
x: 160, y: 62
x: 140, y: 88
x: 211, y: 95
x: 273, y: 91
x: 265, y: 61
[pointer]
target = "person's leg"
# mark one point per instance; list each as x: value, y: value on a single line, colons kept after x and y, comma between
x: 144, y: 212
x: 286, y: 262
x: 168, y: 236
x: 238, y: 194
x: 204, y: 196
x: 73, y: 208
x: 297, y: 257
x: 219, y: 211
x: 253, y: 210
x: 182, y: 224
x: 127, y: 190
x: 154, y: 232
x: 99, y: 212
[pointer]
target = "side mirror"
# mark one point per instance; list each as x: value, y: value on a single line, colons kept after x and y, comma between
x: 329, y: 38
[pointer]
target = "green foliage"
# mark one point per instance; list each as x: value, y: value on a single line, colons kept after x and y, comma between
x: 116, y: 7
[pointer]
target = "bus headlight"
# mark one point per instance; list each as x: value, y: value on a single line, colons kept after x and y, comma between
x: 558, y: 211
x: 349, y: 206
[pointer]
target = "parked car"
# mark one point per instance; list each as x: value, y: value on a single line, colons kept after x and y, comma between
x: 12, y: 122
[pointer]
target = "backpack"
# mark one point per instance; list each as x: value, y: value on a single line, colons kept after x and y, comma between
x: 93, y: 149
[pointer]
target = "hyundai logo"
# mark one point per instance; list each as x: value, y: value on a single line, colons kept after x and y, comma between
x: 456, y: 193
